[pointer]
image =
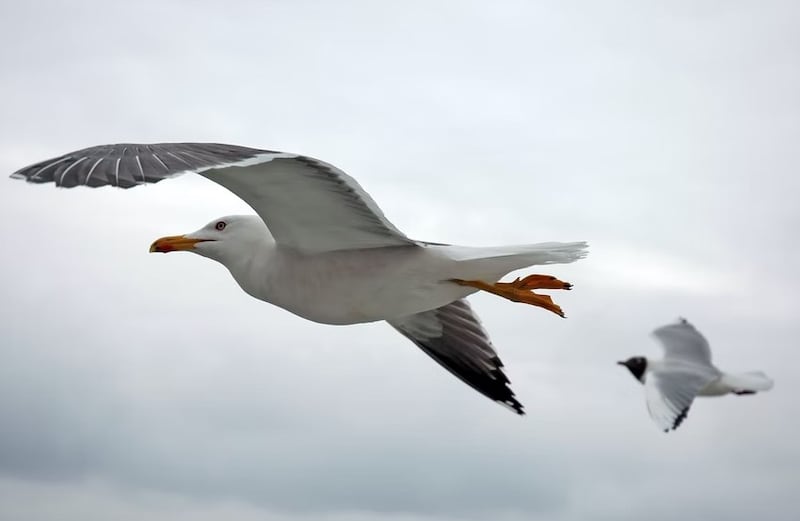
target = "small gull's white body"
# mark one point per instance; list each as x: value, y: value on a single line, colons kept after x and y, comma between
x: 672, y: 383
x: 321, y: 248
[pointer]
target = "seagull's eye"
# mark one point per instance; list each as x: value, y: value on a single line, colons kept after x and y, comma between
x: 220, y: 225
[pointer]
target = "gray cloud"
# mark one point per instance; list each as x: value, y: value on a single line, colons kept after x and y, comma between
x: 135, y: 385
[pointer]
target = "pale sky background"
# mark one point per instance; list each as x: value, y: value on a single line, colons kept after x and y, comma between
x: 137, y: 386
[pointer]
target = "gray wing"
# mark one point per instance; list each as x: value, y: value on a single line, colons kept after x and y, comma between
x: 454, y: 337
x: 306, y: 203
x: 682, y: 341
x: 670, y: 394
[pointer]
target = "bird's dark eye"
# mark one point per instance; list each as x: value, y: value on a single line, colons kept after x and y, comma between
x: 220, y: 225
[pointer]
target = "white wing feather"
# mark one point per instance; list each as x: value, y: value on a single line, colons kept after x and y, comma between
x: 670, y: 391
x: 681, y: 341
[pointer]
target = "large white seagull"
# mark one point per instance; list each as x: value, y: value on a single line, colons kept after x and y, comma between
x: 321, y: 248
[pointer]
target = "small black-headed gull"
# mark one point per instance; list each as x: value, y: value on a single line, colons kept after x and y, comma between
x: 686, y: 371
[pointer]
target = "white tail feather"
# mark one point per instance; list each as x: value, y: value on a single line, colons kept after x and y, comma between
x: 494, y: 262
x: 751, y: 381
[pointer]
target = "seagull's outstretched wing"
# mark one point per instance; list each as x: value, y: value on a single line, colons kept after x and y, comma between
x: 670, y: 393
x: 307, y: 204
x: 681, y: 341
x: 453, y: 336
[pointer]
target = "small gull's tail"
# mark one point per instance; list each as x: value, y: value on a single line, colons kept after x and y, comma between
x: 748, y: 383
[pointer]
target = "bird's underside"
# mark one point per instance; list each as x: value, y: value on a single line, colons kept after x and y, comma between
x: 314, y: 208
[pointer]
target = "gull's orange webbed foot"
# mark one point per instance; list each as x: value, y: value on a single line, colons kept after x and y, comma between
x: 521, y: 290
x: 536, y: 299
x: 537, y: 282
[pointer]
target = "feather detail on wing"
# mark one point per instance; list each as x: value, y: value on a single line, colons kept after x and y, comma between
x: 307, y: 204
x: 454, y: 337
x: 682, y: 341
x: 670, y: 394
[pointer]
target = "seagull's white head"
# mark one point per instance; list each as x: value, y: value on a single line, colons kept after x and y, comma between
x: 224, y: 239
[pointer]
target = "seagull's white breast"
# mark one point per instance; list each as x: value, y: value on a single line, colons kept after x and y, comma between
x: 353, y: 286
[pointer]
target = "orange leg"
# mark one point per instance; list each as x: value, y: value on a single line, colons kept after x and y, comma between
x: 521, y: 290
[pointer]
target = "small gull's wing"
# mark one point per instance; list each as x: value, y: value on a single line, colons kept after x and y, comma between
x: 454, y: 337
x: 306, y: 203
x: 682, y: 341
x: 671, y: 391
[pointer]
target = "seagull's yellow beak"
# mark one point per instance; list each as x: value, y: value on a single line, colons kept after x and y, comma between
x: 173, y: 243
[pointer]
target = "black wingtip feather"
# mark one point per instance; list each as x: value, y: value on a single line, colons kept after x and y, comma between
x: 459, y: 324
x: 679, y: 419
x: 516, y: 406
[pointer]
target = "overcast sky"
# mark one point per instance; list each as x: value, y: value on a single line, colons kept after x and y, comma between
x: 137, y: 386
